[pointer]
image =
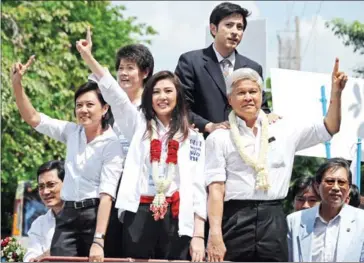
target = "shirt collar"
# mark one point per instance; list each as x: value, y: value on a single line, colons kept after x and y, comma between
x: 231, y: 58
x: 319, y: 217
x: 242, y: 124
x: 106, y: 135
x: 161, y: 128
x: 137, y: 102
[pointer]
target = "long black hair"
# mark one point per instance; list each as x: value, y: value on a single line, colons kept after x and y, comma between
x: 179, y: 116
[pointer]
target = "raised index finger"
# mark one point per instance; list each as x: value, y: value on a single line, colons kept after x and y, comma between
x: 336, y: 67
x: 29, y: 62
x: 88, y: 34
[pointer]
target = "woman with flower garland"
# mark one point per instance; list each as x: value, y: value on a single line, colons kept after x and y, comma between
x: 162, y: 189
x: 249, y: 169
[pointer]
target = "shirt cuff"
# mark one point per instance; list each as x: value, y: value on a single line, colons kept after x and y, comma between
x: 108, y: 188
x: 215, y: 176
x: 322, y: 131
x: 42, y: 123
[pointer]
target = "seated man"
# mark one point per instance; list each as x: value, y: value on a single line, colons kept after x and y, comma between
x: 50, y: 180
x: 332, y: 231
x: 304, y: 193
x: 249, y: 167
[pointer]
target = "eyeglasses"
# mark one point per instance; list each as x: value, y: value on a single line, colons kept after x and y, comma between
x: 49, y: 185
x: 303, y: 199
x: 331, y: 182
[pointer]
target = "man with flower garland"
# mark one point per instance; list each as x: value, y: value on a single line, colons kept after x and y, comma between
x: 249, y: 167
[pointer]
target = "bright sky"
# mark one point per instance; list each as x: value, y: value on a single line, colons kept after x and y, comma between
x: 182, y: 27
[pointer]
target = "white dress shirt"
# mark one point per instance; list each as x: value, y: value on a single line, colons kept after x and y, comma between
x: 147, y: 183
x: 125, y: 143
x: 220, y: 58
x: 40, y: 235
x: 224, y: 164
x: 191, y: 160
x: 90, y: 168
x: 324, y: 240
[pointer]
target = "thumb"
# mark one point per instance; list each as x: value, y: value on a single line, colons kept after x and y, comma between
x: 80, y: 47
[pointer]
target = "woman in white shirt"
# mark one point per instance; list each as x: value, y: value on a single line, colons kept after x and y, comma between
x: 92, y: 167
x: 162, y: 189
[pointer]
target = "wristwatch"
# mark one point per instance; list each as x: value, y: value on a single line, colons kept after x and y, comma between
x: 99, y: 235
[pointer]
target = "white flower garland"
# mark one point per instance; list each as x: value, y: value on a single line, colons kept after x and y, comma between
x: 258, y: 165
x: 161, y: 184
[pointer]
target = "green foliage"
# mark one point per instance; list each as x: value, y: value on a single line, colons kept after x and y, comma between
x: 351, y: 34
x: 49, y: 30
x: 302, y: 166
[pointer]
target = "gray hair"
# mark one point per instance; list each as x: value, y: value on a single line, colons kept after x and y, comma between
x: 243, y: 73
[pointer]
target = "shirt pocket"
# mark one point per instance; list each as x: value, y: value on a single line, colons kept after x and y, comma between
x: 275, y: 155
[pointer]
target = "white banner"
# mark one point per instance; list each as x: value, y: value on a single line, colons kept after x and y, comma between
x: 298, y: 94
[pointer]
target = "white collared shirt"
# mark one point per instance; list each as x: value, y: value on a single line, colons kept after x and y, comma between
x: 40, y: 235
x: 224, y: 164
x: 125, y: 143
x: 147, y: 186
x: 90, y: 168
x: 324, y: 239
x: 220, y: 58
x: 191, y: 160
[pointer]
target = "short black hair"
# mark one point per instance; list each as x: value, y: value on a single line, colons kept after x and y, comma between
x: 333, y: 164
x: 108, y: 118
x: 227, y: 9
x: 301, y: 185
x: 138, y: 54
x: 354, y: 196
x: 51, y: 165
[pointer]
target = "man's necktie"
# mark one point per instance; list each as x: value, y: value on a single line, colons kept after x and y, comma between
x: 225, y: 67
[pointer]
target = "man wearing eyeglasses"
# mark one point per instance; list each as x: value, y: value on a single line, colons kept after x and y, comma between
x: 332, y: 231
x: 50, y: 181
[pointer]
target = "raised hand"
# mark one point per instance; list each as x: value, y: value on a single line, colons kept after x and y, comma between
x: 84, y: 46
x: 338, y: 78
x: 18, y: 70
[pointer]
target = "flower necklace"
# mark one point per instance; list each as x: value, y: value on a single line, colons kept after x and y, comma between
x: 159, y: 205
x: 258, y: 165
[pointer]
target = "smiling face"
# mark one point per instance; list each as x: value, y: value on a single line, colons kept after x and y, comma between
x: 49, y: 187
x: 89, y: 110
x: 334, y: 188
x: 129, y: 75
x: 246, y: 99
x: 228, y: 33
x: 164, y: 98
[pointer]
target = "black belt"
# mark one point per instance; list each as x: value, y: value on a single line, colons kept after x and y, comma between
x: 241, y: 203
x: 91, y: 202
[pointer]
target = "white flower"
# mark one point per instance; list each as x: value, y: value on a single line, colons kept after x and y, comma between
x: 161, y: 185
x: 258, y: 165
